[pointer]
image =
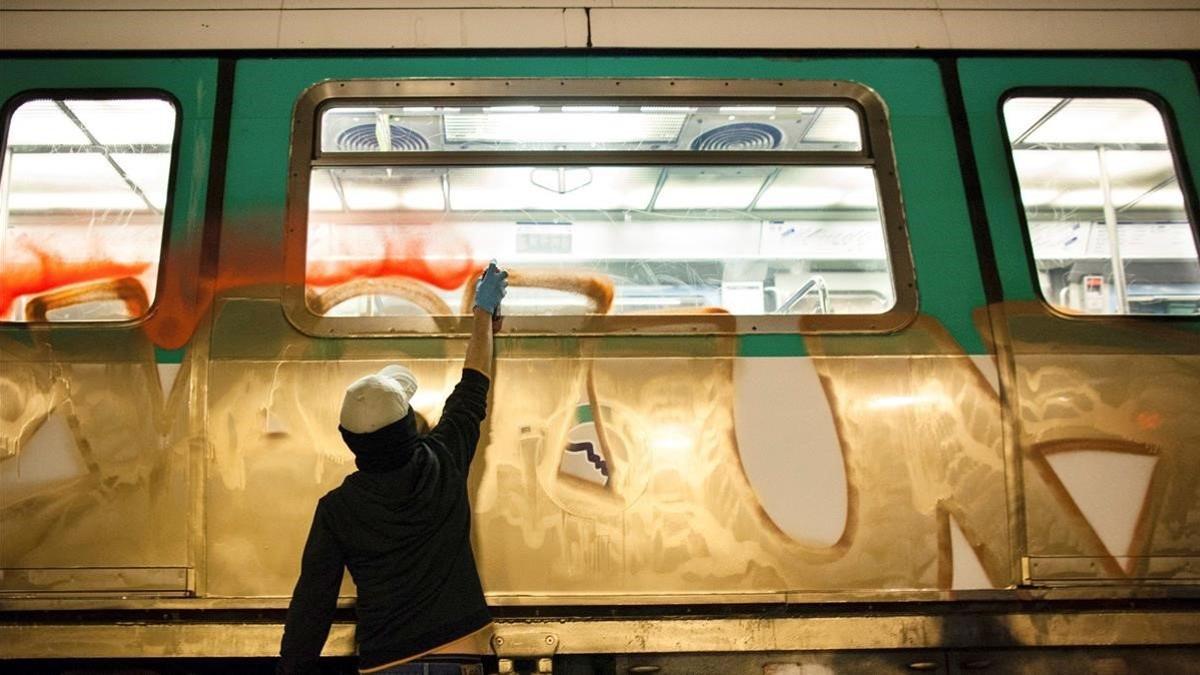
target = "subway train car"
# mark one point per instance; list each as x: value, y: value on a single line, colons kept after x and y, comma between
x: 853, y: 340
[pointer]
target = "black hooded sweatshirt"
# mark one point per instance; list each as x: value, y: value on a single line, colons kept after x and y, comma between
x: 401, y: 524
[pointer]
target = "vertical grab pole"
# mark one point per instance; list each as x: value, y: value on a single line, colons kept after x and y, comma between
x: 1110, y: 222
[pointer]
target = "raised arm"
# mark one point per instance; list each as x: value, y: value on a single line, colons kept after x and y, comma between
x: 489, y: 291
x: 466, y: 407
x: 479, y: 349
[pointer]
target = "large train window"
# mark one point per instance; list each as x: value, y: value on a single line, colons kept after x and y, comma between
x: 611, y: 209
x: 1105, y: 212
x: 83, y: 197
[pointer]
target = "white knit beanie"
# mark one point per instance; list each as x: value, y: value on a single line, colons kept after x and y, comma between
x: 375, y: 401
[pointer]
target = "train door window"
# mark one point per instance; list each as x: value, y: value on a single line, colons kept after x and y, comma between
x: 601, y: 204
x: 1105, y: 211
x: 83, y: 193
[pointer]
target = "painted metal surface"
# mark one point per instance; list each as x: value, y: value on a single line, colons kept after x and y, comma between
x: 816, y: 634
x: 680, y: 516
x: 94, y: 489
x: 1102, y: 406
x: 930, y: 191
x: 870, y: 467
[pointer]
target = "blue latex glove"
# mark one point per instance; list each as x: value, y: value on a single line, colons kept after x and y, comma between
x: 490, y: 289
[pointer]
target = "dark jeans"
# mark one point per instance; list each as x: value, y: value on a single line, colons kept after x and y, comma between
x: 438, y: 665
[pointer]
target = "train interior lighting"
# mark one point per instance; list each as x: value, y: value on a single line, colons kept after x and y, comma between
x: 786, y: 237
x: 83, y: 197
x: 600, y: 126
x: 1106, y: 216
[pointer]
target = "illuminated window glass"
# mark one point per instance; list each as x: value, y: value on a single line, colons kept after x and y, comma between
x: 610, y: 228
x: 593, y: 127
x: 1104, y: 207
x: 83, y: 192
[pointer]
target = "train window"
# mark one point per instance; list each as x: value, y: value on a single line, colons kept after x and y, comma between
x: 762, y: 207
x: 1105, y: 212
x: 83, y: 193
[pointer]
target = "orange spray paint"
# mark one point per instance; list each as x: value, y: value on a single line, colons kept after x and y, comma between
x: 443, y: 260
x: 30, y: 269
x: 446, y: 263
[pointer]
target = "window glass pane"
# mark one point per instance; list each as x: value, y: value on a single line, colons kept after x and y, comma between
x: 83, y: 190
x: 748, y: 240
x: 593, y: 127
x: 1106, y: 215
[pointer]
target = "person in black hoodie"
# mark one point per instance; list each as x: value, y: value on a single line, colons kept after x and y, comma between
x: 401, y: 523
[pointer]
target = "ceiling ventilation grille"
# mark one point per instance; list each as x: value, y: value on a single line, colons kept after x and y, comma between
x: 362, y: 138
x: 739, y: 136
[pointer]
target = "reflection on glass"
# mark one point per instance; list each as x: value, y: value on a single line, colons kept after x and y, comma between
x: 745, y: 240
x: 83, y: 189
x: 598, y: 126
x: 1106, y: 214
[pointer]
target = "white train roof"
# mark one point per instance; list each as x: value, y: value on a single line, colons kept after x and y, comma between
x: 140, y: 25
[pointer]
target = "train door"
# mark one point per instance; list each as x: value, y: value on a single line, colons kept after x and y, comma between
x: 1087, y: 170
x: 102, y: 191
x: 751, y: 434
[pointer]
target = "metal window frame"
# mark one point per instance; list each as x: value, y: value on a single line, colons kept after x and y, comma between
x: 877, y: 151
x: 1182, y: 175
x: 19, y: 99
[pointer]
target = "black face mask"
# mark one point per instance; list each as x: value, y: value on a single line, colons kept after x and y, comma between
x: 385, y: 449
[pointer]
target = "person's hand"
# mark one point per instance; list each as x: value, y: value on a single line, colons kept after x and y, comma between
x: 491, y: 288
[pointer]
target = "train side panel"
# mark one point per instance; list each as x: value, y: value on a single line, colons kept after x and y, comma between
x: 97, y: 426
x: 986, y: 449
x: 748, y: 467
x: 1101, y: 404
